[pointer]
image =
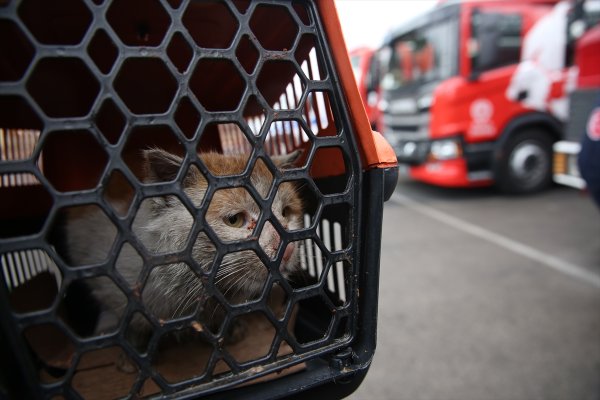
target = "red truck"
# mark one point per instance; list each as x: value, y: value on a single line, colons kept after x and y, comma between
x: 474, y: 93
x: 365, y: 68
x: 584, y: 43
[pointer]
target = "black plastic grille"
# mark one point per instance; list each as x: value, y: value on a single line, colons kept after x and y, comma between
x: 85, y: 86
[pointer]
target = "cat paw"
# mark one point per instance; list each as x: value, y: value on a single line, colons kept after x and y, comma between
x: 125, y: 365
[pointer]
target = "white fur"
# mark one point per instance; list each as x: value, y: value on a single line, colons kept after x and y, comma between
x: 162, y: 226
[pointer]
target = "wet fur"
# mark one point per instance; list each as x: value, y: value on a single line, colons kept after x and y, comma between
x: 162, y: 224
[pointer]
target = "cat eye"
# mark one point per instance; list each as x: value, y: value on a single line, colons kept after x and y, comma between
x: 236, y: 221
x: 286, y: 212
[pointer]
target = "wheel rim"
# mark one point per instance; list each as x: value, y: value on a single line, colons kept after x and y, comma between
x: 529, y: 163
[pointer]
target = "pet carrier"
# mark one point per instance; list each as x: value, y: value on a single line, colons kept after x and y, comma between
x: 90, y: 91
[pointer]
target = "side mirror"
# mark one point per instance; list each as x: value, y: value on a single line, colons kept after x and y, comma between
x: 473, y: 51
x: 473, y: 76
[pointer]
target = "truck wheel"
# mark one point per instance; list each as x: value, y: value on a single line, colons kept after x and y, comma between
x: 526, y: 163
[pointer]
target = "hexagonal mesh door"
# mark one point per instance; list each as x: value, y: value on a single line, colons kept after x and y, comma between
x: 179, y: 195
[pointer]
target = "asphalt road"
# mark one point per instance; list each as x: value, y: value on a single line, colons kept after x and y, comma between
x: 485, y: 296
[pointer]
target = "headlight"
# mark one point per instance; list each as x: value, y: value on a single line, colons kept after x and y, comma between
x: 383, y: 105
x: 409, y: 148
x: 445, y: 149
x: 425, y: 102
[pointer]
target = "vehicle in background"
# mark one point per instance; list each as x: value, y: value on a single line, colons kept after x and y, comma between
x: 584, y: 40
x: 366, y: 73
x: 474, y: 93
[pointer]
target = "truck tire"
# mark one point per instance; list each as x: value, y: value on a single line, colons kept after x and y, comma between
x: 525, y: 163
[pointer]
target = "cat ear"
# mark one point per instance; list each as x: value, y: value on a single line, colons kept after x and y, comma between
x: 160, y: 165
x: 286, y: 161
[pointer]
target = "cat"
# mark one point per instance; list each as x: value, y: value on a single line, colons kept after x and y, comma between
x: 162, y: 225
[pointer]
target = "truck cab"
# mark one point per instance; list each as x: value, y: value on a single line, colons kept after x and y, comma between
x: 473, y: 93
x: 366, y: 72
x: 584, y: 106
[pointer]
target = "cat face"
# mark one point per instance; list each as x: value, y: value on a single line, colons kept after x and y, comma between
x: 233, y: 215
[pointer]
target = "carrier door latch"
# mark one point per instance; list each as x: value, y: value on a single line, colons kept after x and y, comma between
x: 343, y: 360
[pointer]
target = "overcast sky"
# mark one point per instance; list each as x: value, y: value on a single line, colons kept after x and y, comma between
x: 366, y: 22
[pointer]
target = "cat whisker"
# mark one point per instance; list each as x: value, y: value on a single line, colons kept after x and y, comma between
x: 229, y: 265
x: 299, y: 188
x: 212, y: 315
x: 236, y: 282
x: 231, y: 279
x: 185, y: 300
x: 187, y: 303
x: 175, y: 312
x: 232, y: 272
x: 248, y: 278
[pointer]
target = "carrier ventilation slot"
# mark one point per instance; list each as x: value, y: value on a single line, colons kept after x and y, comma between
x: 18, y: 267
x: 232, y: 139
x: 284, y: 136
x: 17, y: 145
x: 311, y: 260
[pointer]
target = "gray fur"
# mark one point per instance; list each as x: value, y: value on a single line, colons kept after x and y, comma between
x: 162, y: 226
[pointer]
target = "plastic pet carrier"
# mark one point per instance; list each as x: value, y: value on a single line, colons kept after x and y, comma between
x: 190, y: 198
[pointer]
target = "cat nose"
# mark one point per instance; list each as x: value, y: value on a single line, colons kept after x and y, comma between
x: 287, y: 254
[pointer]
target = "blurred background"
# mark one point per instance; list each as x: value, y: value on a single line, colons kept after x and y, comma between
x: 490, y: 271
x: 383, y: 14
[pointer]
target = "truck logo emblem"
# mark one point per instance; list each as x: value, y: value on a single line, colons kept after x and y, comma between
x: 481, y: 112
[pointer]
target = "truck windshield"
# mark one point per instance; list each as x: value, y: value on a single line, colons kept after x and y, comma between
x: 422, y: 55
